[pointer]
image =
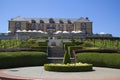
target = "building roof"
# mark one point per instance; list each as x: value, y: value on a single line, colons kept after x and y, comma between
x: 46, y: 20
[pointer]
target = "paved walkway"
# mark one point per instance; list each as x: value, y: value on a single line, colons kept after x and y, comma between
x: 38, y: 73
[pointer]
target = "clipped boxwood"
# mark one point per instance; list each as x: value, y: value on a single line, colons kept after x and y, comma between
x: 71, y: 48
x: 42, y: 43
x: 18, y: 59
x: 101, y: 60
x: 66, y: 44
x: 79, y: 67
x: 40, y: 48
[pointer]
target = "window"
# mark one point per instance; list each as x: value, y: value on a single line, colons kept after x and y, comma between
x: 32, y: 26
x: 51, y: 27
x: 69, y: 22
x: 17, y: 25
x: 41, y: 27
x: 68, y: 28
x: 60, y: 28
x: 83, y: 25
x: 61, y: 22
x: 41, y: 21
x: 51, y: 20
x: 33, y: 21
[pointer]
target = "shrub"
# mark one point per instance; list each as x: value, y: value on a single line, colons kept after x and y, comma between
x: 97, y: 50
x: 87, y: 44
x: 66, y: 58
x: 18, y: 59
x: 68, y: 67
x: 66, y: 44
x: 102, y: 60
x: 42, y: 43
x: 71, y: 48
x: 40, y: 48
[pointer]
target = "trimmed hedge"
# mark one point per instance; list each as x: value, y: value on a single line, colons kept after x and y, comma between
x: 68, y: 67
x: 101, y: 60
x: 18, y: 59
x: 40, y: 48
x: 66, y: 44
x: 42, y: 43
x: 71, y: 48
x: 97, y: 50
x: 66, y: 58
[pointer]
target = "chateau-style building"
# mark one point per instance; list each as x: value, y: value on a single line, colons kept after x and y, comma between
x: 24, y: 28
x: 51, y: 25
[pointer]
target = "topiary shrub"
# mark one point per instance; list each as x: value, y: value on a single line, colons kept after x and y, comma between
x: 66, y: 58
x: 77, y: 67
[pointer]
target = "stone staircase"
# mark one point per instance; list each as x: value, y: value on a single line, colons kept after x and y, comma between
x: 55, y: 51
x: 55, y: 54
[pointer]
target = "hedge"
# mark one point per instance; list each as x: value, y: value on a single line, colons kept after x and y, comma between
x: 100, y: 59
x: 20, y: 59
x: 97, y: 50
x: 42, y: 43
x: 66, y: 44
x: 68, y: 67
x: 40, y: 48
x: 71, y: 48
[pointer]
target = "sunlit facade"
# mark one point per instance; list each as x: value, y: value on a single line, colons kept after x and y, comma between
x: 51, y: 25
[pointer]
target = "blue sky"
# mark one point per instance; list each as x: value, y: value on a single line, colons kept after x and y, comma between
x: 105, y: 14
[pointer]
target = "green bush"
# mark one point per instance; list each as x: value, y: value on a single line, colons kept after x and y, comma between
x: 68, y: 67
x: 66, y: 44
x: 42, y: 43
x: 100, y: 59
x: 66, y: 58
x: 40, y: 48
x: 87, y: 44
x: 18, y: 59
x: 97, y: 50
x: 71, y: 48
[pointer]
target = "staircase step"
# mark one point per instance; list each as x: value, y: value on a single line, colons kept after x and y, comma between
x: 55, y: 52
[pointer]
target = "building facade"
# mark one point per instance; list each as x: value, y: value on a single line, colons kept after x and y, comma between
x: 51, y: 25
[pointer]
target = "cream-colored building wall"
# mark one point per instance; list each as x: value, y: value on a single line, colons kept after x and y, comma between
x: 11, y: 26
x: 23, y: 25
x: 76, y: 26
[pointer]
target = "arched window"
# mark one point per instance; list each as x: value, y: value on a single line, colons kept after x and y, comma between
x: 33, y: 21
x: 69, y: 22
x: 61, y: 21
x: 51, y: 20
x: 41, y: 21
x: 17, y: 25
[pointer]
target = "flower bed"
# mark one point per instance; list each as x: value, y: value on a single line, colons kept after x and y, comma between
x: 76, y: 67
